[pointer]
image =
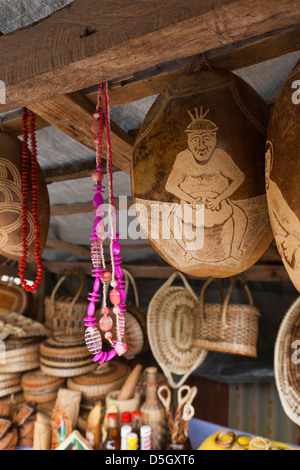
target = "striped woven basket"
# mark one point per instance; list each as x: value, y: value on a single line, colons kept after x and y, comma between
x: 22, y: 354
x: 96, y: 385
x: 66, y: 356
x: 171, y: 331
x: 135, y: 336
x: 10, y: 384
x: 287, y: 362
x: 39, y: 387
x: 65, y: 314
x: 224, y: 327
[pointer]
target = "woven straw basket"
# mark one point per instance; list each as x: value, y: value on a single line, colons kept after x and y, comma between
x: 65, y: 356
x: 171, y: 331
x: 9, y: 384
x: 39, y: 387
x: 13, y: 298
x: 65, y: 314
x: 94, y: 386
x: 22, y: 354
x: 286, y: 363
x: 227, y: 328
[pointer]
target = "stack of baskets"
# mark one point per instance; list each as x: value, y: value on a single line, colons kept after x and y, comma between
x: 95, y: 385
x: 182, y: 328
x: 22, y: 354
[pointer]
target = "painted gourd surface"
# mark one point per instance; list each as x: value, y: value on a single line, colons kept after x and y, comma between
x: 11, y: 201
x: 198, y: 175
x: 283, y: 173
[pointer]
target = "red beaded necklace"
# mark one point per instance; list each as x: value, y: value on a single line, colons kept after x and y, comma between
x: 34, y: 189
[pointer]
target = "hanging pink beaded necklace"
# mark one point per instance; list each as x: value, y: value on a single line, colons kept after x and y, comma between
x: 101, y: 274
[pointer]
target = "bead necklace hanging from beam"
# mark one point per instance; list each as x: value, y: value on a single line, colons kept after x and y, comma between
x: 103, y: 277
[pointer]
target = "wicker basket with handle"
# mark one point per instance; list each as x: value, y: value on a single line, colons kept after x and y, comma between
x: 65, y: 314
x: 225, y: 327
x: 66, y: 356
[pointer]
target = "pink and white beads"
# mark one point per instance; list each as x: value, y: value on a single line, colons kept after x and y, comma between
x: 103, y: 277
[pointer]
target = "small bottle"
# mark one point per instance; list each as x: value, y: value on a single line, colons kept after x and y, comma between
x: 113, y: 439
x: 132, y: 441
x: 125, y: 430
x: 136, y: 425
x: 146, y: 438
x: 126, y: 418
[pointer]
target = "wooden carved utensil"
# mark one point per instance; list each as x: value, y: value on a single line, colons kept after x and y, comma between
x: 128, y: 389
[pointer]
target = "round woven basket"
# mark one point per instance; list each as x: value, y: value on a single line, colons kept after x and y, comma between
x: 65, y: 314
x: 170, y: 322
x: 65, y: 356
x: 225, y: 327
x: 9, y: 384
x: 39, y: 387
x: 286, y: 363
x: 22, y: 354
x: 97, y: 384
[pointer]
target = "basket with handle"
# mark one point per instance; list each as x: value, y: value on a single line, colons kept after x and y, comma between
x: 226, y: 327
x: 64, y: 314
x: 171, y: 331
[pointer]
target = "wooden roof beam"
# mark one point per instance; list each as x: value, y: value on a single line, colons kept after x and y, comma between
x: 72, y: 114
x: 83, y: 44
x: 233, y: 57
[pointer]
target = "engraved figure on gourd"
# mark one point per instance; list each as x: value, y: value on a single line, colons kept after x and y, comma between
x: 205, y: 174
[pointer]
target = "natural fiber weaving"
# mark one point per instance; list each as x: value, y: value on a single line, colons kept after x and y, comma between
x: 39, y: 387
x: 22, y: 354
x: 225, y: 327
x: 65, y: 313
x: 171, y: 330
x: 65, y: 356
x: 10, y: 384
x: 198, y: 165
x: 95, y: 385
x: 282, y: 174
x: 286, y: 363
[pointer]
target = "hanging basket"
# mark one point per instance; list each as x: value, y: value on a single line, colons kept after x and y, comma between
x: 107, y: 378
x: 286, y: 363
x: 227, y: 328
x: 65, y: 314
x: 66, y: 356
x: 171, y: 331
x: 39, y: 387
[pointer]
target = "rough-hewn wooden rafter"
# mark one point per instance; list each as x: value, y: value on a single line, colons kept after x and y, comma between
x: 72, y: 114
x: 87, y: 42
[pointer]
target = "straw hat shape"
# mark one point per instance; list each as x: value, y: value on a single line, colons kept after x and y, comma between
x: 171, y: 332
x: 286, y: 363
